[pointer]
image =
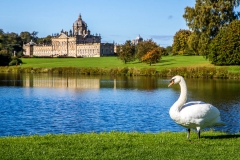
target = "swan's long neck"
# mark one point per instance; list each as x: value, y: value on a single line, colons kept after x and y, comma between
x: 176, y: 107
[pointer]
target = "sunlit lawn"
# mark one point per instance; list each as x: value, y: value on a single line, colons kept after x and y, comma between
x: 111, y: 62
x: 114, y: 62
x: 120, y: 145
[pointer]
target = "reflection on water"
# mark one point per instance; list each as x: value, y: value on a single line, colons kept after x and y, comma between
x: 77, y: 81
x: 43, y: 103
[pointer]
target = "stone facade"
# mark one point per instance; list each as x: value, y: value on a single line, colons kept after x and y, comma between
x: 76, y: 43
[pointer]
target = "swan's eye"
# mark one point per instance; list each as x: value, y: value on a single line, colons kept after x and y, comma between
x: 172, y: 80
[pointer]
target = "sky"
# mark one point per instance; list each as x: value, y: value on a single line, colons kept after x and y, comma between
x: 115, y: 20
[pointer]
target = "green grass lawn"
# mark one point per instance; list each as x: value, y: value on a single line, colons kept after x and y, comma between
x: 119, y: 145
x: 114, y: 62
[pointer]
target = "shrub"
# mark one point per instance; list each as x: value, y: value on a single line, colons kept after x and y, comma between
x: 15, y: 61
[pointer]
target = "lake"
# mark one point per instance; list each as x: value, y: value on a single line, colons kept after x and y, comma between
x: 54, y: 104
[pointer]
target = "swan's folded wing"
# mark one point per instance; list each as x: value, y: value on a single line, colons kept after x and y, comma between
x: 192, y: 103
x: 199, y: 112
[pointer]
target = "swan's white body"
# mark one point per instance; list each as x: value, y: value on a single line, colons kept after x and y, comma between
x: 195, y: 114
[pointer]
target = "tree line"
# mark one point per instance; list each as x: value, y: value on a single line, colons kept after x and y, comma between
x: 214, y: 32
x: 11, y: 45
x: 144, y: 51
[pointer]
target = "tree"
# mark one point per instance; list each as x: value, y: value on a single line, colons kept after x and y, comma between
x: 163, y: 51
x: 207, y: 18
x: 45, y: 40
x: 126, y: 52
x: 34, y: 36
x: 225, y: 47
x: 13, y: 42
x: 5, y: 57
x: 1, y: 31
x: 143, y: 47
x: 26, y: 37
x: 192, y: 43
x: 153, y: 56
x: 180, y: 40
x: 169, y: 50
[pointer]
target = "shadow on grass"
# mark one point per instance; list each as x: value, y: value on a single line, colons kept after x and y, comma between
x: 136, y: 62
x: 162, y: 64
x: 222, y: 136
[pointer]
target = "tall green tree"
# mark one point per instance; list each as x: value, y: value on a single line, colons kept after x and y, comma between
x: 34, y: 36
x: 192, y: 43
x: 143, y: 47
x: 26, y: 37
x: 10, y: 42
x: 180, y: 40
x: 207, y: 18
x: 126, y: 52
x: 225, y: 47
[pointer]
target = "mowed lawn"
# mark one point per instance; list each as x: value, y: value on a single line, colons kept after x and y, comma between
x: 121, y: 145
x: 114, y: 62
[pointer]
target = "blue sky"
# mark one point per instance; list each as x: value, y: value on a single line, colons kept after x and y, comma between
x: 115, y: 20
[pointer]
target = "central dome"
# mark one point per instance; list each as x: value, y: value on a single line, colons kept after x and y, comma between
x: 79, y: 22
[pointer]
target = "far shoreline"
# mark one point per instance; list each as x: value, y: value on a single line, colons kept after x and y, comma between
x: 187, y: 72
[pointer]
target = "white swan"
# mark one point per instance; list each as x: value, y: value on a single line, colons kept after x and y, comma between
x: 195, y: 114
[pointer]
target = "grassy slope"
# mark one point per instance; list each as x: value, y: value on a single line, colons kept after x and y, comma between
x: 118, y: 145
x: 113, y: 62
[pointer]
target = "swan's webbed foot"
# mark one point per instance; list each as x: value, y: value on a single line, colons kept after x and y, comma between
x: 188, y: 134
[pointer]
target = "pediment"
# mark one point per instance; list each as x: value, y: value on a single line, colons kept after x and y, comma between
x: 62, y: 35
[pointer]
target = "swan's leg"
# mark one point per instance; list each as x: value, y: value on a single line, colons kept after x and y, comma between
x: 198, y: 131
x: 188, y: 134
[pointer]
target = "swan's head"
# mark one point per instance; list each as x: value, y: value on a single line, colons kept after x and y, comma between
x: 175, y: 80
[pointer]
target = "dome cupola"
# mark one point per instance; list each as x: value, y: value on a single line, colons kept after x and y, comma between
x: 79, y: 26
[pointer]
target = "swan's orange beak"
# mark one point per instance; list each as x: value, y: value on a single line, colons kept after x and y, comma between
x: 171, y: 83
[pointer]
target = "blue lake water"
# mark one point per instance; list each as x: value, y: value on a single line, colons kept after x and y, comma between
x: 53, y: 104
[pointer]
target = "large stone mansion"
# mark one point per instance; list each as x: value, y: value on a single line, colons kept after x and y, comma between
x: 78, y: 42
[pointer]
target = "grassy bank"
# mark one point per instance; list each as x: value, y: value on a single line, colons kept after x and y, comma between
x: 188, y: 66
x: 118, y: 145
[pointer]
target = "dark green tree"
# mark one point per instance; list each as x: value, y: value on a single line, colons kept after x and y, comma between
x: 126, y: 52
x: 13, y: 43
x: 26, y: 37
x: 207, y: 18
x: 169, y: 50
x: 225, y: 47
x: 34, y: 36
x: 163, y: 51
x: 5, y: 57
